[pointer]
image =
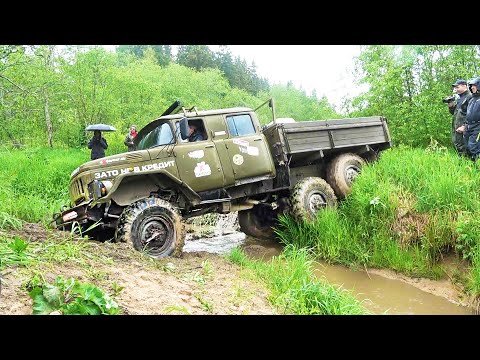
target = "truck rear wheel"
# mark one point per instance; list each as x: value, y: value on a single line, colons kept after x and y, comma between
x: 310, y: 196
x: 257, y: 222
x: 152, y: 225
x: 342, y: 171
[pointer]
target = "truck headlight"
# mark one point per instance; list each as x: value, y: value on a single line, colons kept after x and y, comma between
x: 98, y: 189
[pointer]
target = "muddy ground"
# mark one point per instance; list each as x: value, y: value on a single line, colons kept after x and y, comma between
x: 195, y: 283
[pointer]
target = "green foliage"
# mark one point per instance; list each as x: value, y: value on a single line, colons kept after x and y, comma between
x: 406, y: 84
x: 34, y: 183
x: 53, y: 93
x: 404, y: 212
x: 14, y: 252
x: 468, y: 241
x: 8, y: 221
x: 71, y: 297
x: 294, y: 288
x: 181, y: 309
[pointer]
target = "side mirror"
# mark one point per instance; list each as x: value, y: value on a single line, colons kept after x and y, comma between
x: 184, y: 130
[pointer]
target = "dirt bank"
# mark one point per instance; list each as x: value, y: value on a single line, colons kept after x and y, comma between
x: 196, y: 283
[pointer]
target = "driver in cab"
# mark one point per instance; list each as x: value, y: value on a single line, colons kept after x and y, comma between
x: 194, y: 133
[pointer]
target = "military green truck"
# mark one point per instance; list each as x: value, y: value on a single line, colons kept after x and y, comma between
x: 295, y: 167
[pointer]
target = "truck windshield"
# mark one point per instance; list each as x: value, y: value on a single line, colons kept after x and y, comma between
x: 161, y: 135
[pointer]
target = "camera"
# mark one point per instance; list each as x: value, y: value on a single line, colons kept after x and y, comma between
x: 449, y: 99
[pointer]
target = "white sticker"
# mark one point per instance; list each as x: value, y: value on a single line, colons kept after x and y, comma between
x: 238, y: 159
x: 202, y: 169
x: 241, y: 142
x: 109, y: 161
x: 219, y: 133
x: 197, y: 154
x: 252, y: 150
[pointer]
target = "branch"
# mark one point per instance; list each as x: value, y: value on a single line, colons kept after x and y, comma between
x: 13, y: 83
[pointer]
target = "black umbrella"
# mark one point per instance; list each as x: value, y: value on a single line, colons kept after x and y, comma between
x: 101, y: 127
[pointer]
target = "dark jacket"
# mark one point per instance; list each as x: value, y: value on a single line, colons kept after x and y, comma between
x: 473, y: 109
x: 196, y: 136
x: 98, y: 147
x: 129, y: 142
x: 460, y: 110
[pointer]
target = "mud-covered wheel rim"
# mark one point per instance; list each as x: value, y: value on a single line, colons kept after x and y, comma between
x: 156, y: 234
x: 351, y: 172
x: 317, y: 201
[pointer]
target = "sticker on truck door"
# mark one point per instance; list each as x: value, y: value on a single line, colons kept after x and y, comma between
x: 202, y: 169
x: 250, y: 150
x: 238, y: 159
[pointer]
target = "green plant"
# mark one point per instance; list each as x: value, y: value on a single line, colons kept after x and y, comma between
x: 8, y: 221
x: 293, y: 286
x: 171, y: 308
x: 14, y: 252
x: 71, y: 297
x: 117, y: 288
x: 207, y: 268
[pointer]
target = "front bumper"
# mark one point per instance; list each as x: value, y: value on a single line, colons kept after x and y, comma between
x: 64, y: 219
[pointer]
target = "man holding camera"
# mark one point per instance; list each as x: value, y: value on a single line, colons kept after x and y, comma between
x: 459, y: 111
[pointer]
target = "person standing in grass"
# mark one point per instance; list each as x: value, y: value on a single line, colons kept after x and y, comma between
x: 129, y: 139
x: 472, y: 132
x: 458, y: 109
x: 98, y: 144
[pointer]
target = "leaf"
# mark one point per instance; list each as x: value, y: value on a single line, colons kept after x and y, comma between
x: 18, y: 245
x: 40, y: 304
x: 53, y: 295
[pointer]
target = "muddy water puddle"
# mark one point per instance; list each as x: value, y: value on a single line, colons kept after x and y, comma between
x: 379, y: 294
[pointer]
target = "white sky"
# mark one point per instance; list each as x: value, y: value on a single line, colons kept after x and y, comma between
x: 326, y: 68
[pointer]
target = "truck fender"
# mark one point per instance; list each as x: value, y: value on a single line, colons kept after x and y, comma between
x: 131, y: 187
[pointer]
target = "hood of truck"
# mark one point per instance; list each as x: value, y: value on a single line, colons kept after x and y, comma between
x: 111, y: 167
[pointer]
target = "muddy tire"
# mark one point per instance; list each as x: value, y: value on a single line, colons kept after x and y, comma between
x: 310, y: 196
x: 342, y: 171
x: 257, y: 222
x: 152, y: 225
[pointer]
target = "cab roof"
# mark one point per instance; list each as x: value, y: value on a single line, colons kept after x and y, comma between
x: 204, y: 113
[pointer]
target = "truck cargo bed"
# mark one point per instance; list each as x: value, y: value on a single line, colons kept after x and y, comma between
x: 300, y: 140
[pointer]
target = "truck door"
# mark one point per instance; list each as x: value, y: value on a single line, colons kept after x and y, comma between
x: 247, y: 148
x: 198, y: 163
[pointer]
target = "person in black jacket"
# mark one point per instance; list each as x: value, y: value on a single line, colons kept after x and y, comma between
x: 98, y: 144
x: 473, y: 120
x: 458, y: 109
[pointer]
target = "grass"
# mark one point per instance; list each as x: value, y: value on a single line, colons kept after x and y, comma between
x: 34, y: 182
x: 294, y: 288
x: 405, y: 211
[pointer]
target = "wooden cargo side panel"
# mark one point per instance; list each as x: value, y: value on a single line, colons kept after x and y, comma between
x: 308, y: 141
x: 330, y: 134
x: 358, y: 136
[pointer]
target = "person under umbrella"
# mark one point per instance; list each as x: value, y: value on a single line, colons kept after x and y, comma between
x: 98, y: 144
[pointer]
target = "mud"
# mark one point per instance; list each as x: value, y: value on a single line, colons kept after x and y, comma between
x: 196, y: 283
x: 203, y: 282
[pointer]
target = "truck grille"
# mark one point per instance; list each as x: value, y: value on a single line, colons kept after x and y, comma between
x: 77, y: 190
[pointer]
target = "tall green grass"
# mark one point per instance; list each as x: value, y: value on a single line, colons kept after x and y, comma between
x: 404, y: 212
x: 294, y: 288
x: 34, y: 182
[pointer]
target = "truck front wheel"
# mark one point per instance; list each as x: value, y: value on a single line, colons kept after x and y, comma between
x: 152, y: 225
x: 342, y: 171
x: 257, y: 222
x: 310, y: 196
